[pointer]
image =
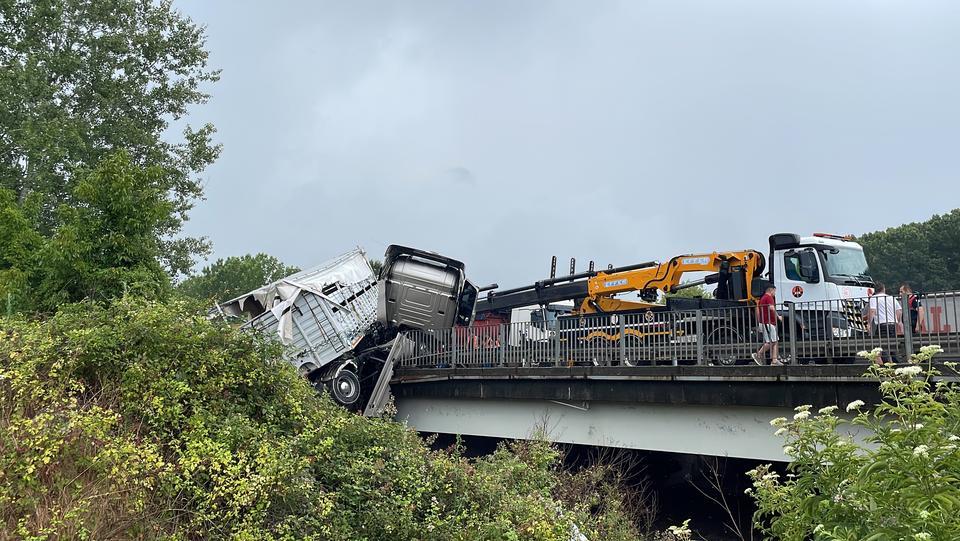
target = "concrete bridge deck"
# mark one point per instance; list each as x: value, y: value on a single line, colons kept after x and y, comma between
x: 709, y: 410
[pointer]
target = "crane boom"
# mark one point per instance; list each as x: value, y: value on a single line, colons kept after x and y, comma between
x: 733, y: 272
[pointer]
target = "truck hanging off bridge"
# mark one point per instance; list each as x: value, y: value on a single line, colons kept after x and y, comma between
x: 340, y: 323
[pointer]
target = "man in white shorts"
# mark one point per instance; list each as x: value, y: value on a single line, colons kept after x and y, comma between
x: 767, y: 318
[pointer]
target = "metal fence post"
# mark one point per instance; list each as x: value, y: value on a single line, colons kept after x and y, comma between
x: 502, y: 345
x: 699, y: 336
x: 792, y: 318
x: 907, y: 324
x: 623, y: 339
x: 454, y: 357
x: 556, y: 344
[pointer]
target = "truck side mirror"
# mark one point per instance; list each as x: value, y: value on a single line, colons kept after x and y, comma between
x: 809, y: 269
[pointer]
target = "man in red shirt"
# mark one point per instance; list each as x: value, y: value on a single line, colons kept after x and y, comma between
x: 767, y: 318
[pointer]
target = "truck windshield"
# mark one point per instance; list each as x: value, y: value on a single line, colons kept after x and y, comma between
x: 845, y: 262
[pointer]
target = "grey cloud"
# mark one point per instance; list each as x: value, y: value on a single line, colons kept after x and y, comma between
x: 506, y: 132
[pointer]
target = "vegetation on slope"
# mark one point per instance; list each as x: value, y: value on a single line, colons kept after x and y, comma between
x: 142, y: 419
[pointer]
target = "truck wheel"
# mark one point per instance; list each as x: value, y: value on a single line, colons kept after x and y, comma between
x: 345, y: 387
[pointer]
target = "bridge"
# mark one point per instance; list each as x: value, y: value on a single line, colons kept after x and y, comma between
x: 671, y: 389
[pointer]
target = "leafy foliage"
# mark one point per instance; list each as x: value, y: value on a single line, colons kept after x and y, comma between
x: 376, y: 265
x: 109, y: 242
x: 143, y: 419
x: 694, y: 292
x: 925, y: 254
x: 231, y: 277
x: 19, y: 252
x: 82, y: 78
x: 902, y: 485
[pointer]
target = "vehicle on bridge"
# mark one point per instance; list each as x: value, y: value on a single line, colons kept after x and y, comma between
x: 339, y: 321
x: 825, y: 275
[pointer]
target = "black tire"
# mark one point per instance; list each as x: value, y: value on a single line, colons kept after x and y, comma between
x: 719, y: 336
x: 344, y: 387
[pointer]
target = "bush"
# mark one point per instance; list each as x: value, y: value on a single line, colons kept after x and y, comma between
x: 904, y: 483
x: 144, y: 420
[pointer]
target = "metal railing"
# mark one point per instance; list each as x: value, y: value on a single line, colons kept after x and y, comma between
x: 821, y: 332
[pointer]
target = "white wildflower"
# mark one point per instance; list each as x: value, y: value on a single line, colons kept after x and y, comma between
x: 780, y: 432
x: 918, y: 426
x: 771, y: 476
x: 827, y: 410
x: 748, y: 491
x: 855, y: 405
x: 920, y: 450
x: 801, y: 415
x: 819, y: 528
x: 908, y: 371
x: 931, y: 350
x: 805, y: 407
x: 778, y: 421
x: 922, y: 536
x: 752, y: 472
x: 788, y: 450
x: 953, y: 438
x: 924, y: 514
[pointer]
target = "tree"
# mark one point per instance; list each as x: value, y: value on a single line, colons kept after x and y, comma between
x: 902, y: 484
x: 83, y: 78
x: 376, y: 265
x: 694, y: 292
x: 110, y: 240
x: 925, y: 254
x: 231, y: 277
x: 19, y: 252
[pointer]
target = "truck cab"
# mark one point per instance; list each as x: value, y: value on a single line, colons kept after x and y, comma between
x: 824, y: 273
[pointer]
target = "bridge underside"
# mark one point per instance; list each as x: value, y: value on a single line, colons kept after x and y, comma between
x: 719, y: 411
x: 743, y: 432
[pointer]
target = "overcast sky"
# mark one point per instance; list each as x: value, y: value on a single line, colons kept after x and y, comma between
x: 502, y: 133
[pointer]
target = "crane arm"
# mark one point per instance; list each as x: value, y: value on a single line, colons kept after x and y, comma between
x: 667, y: 277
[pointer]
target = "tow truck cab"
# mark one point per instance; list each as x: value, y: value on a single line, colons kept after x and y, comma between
x: 827, y: 273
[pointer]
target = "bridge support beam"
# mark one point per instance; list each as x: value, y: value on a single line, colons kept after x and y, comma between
x: 736, y: 431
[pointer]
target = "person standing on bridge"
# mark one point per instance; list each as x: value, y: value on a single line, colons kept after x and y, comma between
x: 767, y: 318
x: 887, y: 314
x: 913, y: 307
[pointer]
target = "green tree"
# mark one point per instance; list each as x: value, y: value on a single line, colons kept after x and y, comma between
x: 924, y: 254
x: 901, y: 484
x: 80, y: 79
x: 110, y: 240
x: 19, y: 253
x: 376, y: 265
x: 231, y: 277
x: 693, y: 292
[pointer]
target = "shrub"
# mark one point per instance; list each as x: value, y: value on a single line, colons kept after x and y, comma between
x: 903, y: 483
x: 145, y: 420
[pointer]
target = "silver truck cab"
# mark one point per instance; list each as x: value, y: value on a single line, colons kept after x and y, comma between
x: 423, y: 290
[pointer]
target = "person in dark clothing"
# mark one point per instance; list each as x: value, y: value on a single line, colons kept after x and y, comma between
x: 913, y: 307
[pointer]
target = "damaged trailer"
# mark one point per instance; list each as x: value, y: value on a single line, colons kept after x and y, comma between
x: 340, y: 322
